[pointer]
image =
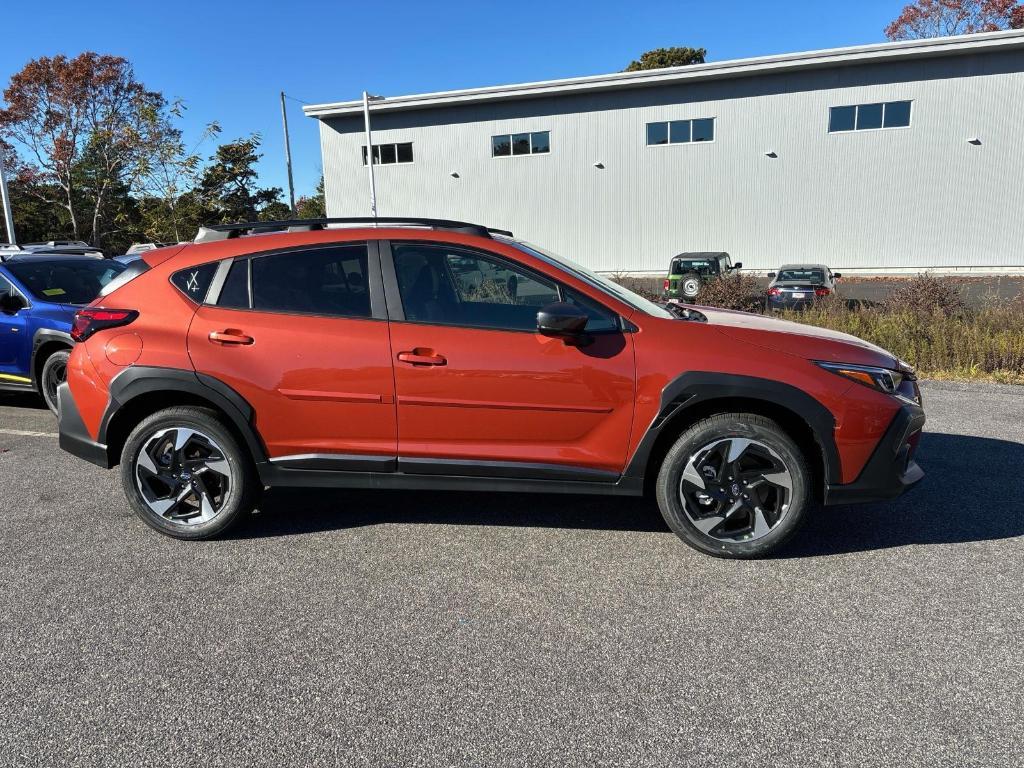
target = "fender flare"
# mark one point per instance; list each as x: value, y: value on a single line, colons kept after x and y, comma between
x: 693, y: 388
x: 44, y: 336
x: 141, y: 380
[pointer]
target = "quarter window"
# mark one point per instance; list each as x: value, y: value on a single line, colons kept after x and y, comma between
x: 390, y: 154
x: 681, y: 131
x: 322, y: 281
x: 869, y: 117
x: 449, y: 286
x: 195, y: 281
x: 506, y: 144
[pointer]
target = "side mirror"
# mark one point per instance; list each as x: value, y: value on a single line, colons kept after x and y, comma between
x: 837, y: 275
x: 561, y: 320
x: 11, y: 303
x: 771, y: 275
x: 738, y: 265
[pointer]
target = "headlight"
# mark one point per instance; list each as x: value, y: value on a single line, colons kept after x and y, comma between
x: 901, y: 383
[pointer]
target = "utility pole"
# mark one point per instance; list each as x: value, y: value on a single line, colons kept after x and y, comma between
x: 288, y: 156
x: 369, y: 150
x: 8, y: 216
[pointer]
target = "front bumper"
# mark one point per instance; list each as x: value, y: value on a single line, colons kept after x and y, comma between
x: 73, y: 436
x: 891, y: 470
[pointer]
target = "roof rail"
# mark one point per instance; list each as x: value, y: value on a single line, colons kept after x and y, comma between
x: 215, y: 232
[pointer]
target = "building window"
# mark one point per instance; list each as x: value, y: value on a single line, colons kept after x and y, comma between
x: 507, y: 144
x: 869, y: 117
x: 390, y: 154
x: 681, y: 131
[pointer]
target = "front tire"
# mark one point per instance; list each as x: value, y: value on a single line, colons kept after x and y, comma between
x: 734, y: 485
x: 54, y: 373
x: 186, y: 475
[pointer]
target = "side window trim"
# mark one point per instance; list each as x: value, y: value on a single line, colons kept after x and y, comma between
x: 396, y: 312
x: 378, y: 310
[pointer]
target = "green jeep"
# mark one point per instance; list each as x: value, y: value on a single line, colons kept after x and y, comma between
x: 689, y: 271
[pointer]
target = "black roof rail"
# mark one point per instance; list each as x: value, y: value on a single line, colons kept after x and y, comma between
x: 215, y: 232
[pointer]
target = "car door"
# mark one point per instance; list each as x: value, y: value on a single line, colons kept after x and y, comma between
x: 480, y: 391
x: 14, y: 342
x: 302, y: 335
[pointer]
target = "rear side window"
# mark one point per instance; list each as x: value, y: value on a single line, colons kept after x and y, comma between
x: 194, y: 282
x: 322, y: 281
x: 235, y: 293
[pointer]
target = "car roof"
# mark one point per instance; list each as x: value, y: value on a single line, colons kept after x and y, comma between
x: 804, y: 266
x: 63, y: 260
x: 700, y: 255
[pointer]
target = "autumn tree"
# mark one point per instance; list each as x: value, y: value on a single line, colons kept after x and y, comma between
x: 86, y: 128
x: 313, y: 206
x: 660, y: 58
x: 942, y: 18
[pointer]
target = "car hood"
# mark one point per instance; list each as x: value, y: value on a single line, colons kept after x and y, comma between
x: 806, y: 341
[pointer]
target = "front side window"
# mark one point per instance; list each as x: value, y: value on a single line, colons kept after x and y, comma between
x: 318, y: 281
x: 681, y: 131
x: 390, y: 154
x: 508, y: 144
x: 452, y: 286
x: 65, y: 282
x: 869, y: 117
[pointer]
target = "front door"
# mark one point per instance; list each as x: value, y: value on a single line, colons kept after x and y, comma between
x: 302, y: 336
x: 480, y: 391
x: 13, y: 343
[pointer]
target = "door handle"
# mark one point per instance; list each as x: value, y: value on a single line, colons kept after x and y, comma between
x: 422, y: 356
x: 230, y: 336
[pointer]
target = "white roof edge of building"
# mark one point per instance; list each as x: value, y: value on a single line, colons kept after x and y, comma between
x: 858, y: 54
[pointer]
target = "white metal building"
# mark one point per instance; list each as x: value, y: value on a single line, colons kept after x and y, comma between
x: 877, y: 158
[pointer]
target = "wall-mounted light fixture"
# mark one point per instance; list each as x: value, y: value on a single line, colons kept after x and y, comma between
x: 771, y: 153
x: 975, y: 141
x: 454, y: 174
x: 599, y: 164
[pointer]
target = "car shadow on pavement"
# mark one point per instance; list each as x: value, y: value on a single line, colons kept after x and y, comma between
x: 971, y: 492
x: 28, y: 400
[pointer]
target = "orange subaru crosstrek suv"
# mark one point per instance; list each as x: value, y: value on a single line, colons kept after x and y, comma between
x: 432, y: 354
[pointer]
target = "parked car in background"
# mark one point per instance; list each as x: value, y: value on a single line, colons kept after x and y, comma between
x: 137, y: 249
x: 437, y: 355
x: 39, y: 296
x: 687, y: 272
x: 59, y: 244
x: 796, y: 286
x: 17, y: 251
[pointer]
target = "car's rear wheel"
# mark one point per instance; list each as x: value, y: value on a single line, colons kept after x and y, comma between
x: 54, y: 373
x: 689, y: 285
x: 734, y: 485
x: 186, y: 475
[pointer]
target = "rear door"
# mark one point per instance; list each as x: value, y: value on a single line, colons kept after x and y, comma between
x: 302, y: 335
x: 480, y: 391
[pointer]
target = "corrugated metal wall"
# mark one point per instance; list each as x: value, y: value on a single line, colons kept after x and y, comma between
x: 888, y: 199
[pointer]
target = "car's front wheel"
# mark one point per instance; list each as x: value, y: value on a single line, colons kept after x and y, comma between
x: 186, y: 475
x: 54, y: 373
x: 734, y: 485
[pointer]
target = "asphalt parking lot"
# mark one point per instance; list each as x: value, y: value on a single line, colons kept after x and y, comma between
x: 407, y: 629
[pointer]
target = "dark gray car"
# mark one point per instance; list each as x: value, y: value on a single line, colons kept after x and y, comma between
x: 796, y: 286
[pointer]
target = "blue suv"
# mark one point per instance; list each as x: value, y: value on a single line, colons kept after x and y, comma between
x: 38, y: 299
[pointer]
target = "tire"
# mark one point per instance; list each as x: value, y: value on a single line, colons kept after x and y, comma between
x: 186, y: 475
x: 689, y: 285
x: 53, y: 373
x: 701, y: 487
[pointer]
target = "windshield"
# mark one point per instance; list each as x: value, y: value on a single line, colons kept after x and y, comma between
x: 66, y: 281
x: 598, y: 281
x: 802, y: 275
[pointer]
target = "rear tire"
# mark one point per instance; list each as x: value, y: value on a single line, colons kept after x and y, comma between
x: 689, y: 285
x: 734, y: 485
x: 186, y: 475
x: 53, y: 373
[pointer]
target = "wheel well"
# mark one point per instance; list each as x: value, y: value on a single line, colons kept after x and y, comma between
x: 42, y: 352
x: 790, y: 421
x: 128, y: 416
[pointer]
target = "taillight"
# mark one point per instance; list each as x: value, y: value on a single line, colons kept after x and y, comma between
x: 91, y: 319
x: 822, y: 291
x: 666, y: 284
x: 774, y: 291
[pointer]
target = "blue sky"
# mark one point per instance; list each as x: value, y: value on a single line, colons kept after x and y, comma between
x: 228, y: 61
